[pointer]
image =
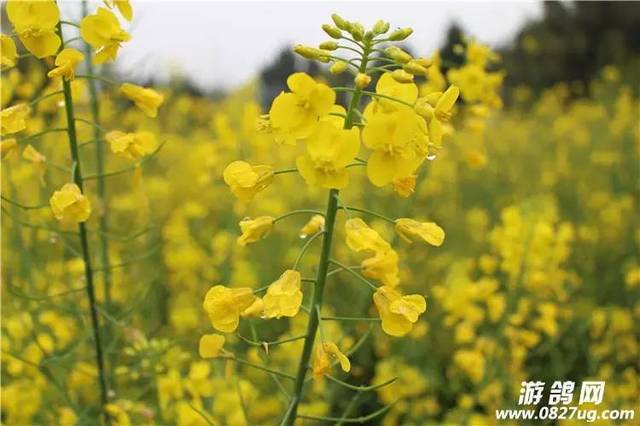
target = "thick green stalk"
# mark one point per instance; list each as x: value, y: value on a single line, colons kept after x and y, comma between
x: 84, y: 240
x: 100, y: 180
x: 321, y: 277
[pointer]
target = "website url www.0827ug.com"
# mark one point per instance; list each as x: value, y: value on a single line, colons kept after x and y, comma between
x: 564, y: 413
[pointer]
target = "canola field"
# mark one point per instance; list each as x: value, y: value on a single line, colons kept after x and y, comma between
x: 400, y: 248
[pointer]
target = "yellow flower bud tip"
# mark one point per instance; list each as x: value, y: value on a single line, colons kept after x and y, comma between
x: 401, y: 76
x: 398, y: 54
x: 307, y: 52
x: 362, y: 80
x: 380, y: 27
x: 338, y: 67
x: 357, y: 31
x: 425, y: 62
x: 332, y: 31
x: 400, y: 34
x: 340, y: 22
x: 328, y: 45
x: 414, y: 68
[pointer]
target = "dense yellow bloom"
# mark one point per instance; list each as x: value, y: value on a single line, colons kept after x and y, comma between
x: 399, y: 141
x: 66, y: 62
x: 246, y: 180
x: 294, y: 115
x: 148, y: 100
x: 411, y: 230
x: 13, y: 119
x: 211, y: 345
x: 315, y: 225
x: 359, y: 237
x: 131, y: 145
x: 283, y: 296
x: 382, y: 267
x: 69, y: 205
x: 123, y: 6
x: 325, y: 353
x: 8, y: 52
x: 329, y: 149
x: 398, y: 312
x: 254, y: 229
x: 224, y: 306
x: 35, y: 24
x: 103, y: 32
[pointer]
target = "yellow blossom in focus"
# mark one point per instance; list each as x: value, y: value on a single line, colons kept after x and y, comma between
x: 13, y: 119
x: 123, y: 6
x: 35, y: 24
x: 211, y: 345
x: 224, y: 306
x: 254, y: 229
x: 315, y: 225
x: 389, y: 87
x: 148, y: 100
x: 398, y: 313
x: 399, y: 141
x: 66, y: 62
x: 103, y: 32
x: 329, y: 149
x: 69, y: 205
x: 324, y: 353
x: 283, y: 296
x: 383, y: 266
x: 411, y: 230
x: 246, y: 180
x: 359, y: 237
x: 442, y: 115
x: 294, y: 115
x: 131, y: 145
x: 8, y: 52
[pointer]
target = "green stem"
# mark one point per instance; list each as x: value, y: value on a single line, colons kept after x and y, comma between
x: 325, y: 255
x: 84, y: 243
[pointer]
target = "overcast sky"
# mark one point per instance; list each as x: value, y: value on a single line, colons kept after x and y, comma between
x: 224, y: 44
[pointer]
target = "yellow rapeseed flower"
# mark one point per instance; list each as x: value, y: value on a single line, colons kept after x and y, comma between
x: 254, y: 229
x: 397, y: 312
x: 103, y: 32
x: 382, y: 267
x: 211, y: 345
x: 123, y: 6
x: 69, y: 205
x: 148, y: 100
x: 324, y: 353
x: 13, y: 119
x: 329, y: 149
x: 315, y: 225
x: 294, y: 115
x: 283, y: 296
x: 38, y: 160
x: 8, y: 52
x: 131, y: 145
x: 66, y: 62
x: 7, y: 146
x: 411, y: 230
x: 359, y: 237
x: 225, y: 305
x: 399, y: 141
x: 246, y: 180
x: 35, y: 24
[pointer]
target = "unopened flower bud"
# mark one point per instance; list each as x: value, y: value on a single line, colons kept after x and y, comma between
x: 328, y: 45
x: 398, y: 54
x: 362, y: 80
x: 338, y: 68
x: 357, y: 31
x: 380, y: 27
x: 400, y: 34
x: 425, y: 62
x: 401, y: 76
x: 333, y: 32
x: 414, y: 68
x: 306, y: 51
x: 424, y: 109
x: 340, y: 23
